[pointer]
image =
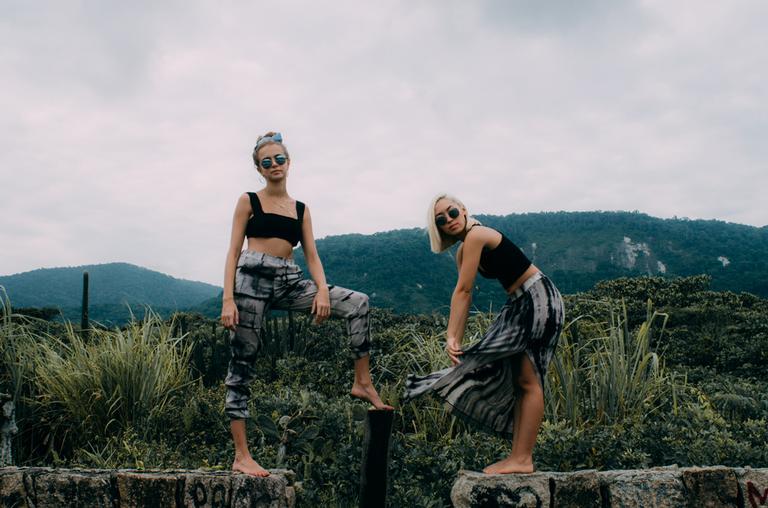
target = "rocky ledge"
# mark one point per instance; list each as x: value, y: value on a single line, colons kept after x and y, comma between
x: 667, y: 487
x: 45, y: 487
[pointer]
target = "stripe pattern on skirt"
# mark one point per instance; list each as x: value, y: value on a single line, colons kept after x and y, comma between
x: 482, y: 389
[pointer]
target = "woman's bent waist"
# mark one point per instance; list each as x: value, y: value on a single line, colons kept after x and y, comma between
x: 526, y: 280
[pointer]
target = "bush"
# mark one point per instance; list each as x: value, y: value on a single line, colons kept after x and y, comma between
x: 113, y: 381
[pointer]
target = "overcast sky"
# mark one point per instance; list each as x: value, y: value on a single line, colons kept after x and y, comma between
x: 126, y: 127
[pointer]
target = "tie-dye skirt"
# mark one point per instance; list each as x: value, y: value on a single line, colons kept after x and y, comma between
x: 482, y: 389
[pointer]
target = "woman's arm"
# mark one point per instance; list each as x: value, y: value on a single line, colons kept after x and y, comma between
x: 321, y: 306
x: 467, y: 259
x: 229, y: 317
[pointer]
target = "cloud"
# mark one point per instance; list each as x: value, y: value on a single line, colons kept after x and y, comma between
x: 127, y: 129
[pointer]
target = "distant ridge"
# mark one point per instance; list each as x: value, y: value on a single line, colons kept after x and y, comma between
x: 397, y: 269
x: 112, y: 288
x: 575, y: 249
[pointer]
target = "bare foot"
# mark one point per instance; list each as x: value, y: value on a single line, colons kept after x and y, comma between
x: 369, y: 394
x: 248, y: 466
x: 510, y: 466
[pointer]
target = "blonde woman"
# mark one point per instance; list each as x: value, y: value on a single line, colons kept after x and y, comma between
x: 265, y: 277
x: 498, y: 383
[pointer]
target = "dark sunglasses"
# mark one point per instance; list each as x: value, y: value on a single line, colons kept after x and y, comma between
x: 442, y: 220
x: 266, y: 162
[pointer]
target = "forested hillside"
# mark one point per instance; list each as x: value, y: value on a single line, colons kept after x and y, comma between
x: 113, y: 288
x: 398, y: 271
x: 576, y: 249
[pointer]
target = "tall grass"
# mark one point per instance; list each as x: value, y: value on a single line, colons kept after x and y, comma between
x: 115, y: 380
x: 18, y: 342
x: 605, y: 373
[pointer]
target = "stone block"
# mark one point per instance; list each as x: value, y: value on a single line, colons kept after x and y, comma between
x: 473, y: 489
x: 64, y: 488
x: 711, y: 487
x: 580, y: 489
x: 204, y: 489
x: 660, y: 488
x: 255, y: 492
x: 13, y: 492
x: 147, y: 489
x: 753, y: 486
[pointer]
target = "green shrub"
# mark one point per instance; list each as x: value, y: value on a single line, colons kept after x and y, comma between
x: 116, y: 380
x: 606, y: 373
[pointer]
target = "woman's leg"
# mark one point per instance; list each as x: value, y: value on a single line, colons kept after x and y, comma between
x: 352, y: 306
x: 363, y: 388
x: 529, y: 412
x: 243, y: 462
x: 244, y: 343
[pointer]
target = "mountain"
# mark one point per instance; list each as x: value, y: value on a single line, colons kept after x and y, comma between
x: 397, y: 269
x: 113, y: 287
x: 575, y: 249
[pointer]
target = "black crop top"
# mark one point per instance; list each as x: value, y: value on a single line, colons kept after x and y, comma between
x: 273, y: 225
x: 506, y: 262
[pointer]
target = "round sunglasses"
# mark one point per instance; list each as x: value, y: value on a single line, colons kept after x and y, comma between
x: 279, y: 160
x: 442, y: 220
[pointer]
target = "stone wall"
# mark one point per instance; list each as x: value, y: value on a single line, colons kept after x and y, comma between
x: 36, y: 487
x: 673, y: 487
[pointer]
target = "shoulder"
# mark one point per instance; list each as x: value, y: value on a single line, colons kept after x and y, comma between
x: 244, y: 200
x: 481, y: 236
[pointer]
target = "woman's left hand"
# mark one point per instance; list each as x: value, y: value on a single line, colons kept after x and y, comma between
x: 321, y: 305
x: 453, y: 348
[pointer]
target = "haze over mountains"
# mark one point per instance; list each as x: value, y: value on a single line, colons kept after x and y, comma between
x: 396, y: 268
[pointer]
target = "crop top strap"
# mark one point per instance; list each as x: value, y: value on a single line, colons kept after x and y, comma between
x: 300, y: 211
x: 255, y: 203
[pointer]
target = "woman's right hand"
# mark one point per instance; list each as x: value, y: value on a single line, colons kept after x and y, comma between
x: 229, y: 317
x: 453, y: 348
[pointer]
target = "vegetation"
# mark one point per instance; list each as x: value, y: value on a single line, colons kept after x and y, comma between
x: 650, y: 371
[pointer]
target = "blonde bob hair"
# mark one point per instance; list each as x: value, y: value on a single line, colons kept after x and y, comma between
x: 439, y: 241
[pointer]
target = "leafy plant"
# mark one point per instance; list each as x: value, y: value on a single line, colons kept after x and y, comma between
x: 116, y: 380
x: 612, y: 375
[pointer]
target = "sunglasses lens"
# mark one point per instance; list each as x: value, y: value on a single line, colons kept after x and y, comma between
x: 266, y: 163
x: 280, y: 160
x: 442, y: 220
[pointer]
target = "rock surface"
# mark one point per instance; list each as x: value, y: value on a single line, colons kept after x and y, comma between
x: 523, y: 491
x: 45, y: 487
x: 753, y: 486
x: 667, y: 487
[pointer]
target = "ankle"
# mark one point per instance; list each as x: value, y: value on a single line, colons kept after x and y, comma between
x: 524, y: 460
x: 242, y: 456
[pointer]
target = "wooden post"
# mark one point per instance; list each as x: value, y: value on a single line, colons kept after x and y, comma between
x: 374, y: 468
x: 84, y: 324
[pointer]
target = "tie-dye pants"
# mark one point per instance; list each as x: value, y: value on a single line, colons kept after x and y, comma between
x: 265, y: 282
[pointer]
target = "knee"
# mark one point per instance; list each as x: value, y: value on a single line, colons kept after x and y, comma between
x: 360, y: 304
x: 363, y: 302
x: 528, y: 384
